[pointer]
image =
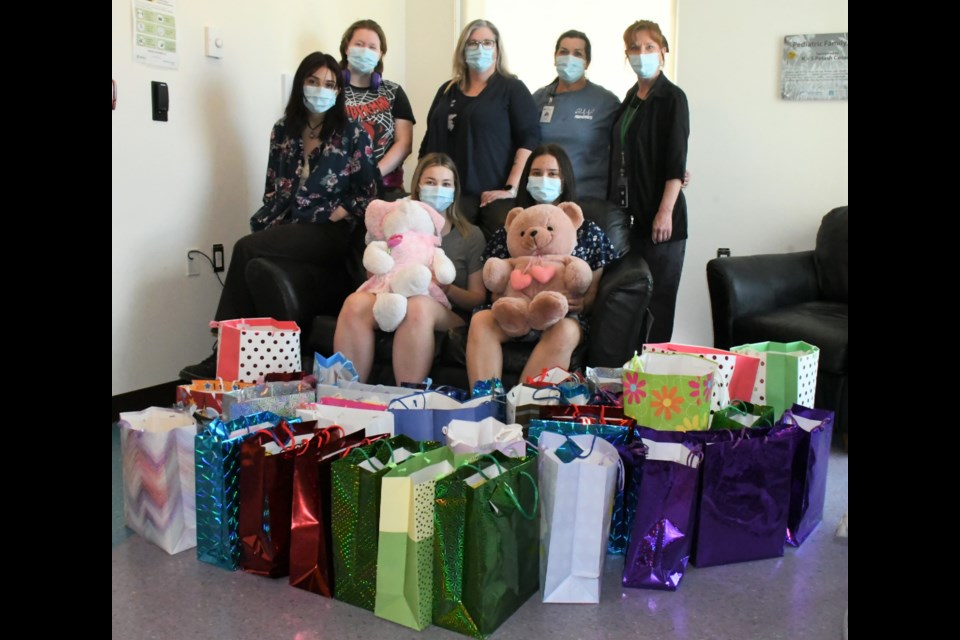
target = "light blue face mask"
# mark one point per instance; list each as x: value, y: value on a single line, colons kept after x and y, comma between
x: 480, y: 59
x: 440, y: 198
x: 362, y: 60
x: 319, y: 99
x: 570, y: 69
x: 645, y: 65
x: 543, y: 189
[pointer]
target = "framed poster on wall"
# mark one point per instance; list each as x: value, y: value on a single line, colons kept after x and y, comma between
x: 814, y: 67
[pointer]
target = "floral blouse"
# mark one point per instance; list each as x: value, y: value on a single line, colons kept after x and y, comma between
x: 593, y: 246
x: 342, y: 172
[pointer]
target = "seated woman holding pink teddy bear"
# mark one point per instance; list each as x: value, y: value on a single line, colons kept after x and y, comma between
x: 437, y: 183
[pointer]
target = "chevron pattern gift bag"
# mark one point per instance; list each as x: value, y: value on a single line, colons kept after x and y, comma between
x: 158, y: 477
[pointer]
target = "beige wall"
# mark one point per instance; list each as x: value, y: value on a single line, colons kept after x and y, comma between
x: 764, y: 170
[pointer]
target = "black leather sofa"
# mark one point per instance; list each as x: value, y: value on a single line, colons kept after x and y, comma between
x: 312, y: 297
x: 791, y: 296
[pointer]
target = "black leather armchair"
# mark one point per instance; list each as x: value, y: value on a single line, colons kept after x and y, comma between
x: 791, y: 296
x: 312, y: 297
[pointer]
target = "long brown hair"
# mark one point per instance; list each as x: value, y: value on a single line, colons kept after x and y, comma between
x: 438, y: 159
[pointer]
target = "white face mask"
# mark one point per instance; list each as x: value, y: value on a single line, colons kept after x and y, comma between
x: 440, y: 198
x: 543, y: 189
x: 319, y: 99
x: 645, y: 65
x: 570, y: 69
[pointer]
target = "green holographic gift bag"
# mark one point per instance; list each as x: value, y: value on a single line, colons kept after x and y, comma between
x: 356, y: 480
x: 740, y: 413
x: 486, y: 543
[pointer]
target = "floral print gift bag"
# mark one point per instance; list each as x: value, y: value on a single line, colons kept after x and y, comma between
x: 668, y: 391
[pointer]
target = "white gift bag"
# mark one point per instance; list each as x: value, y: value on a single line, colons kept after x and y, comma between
x: 576, y: 500
x: 159, y: 488
x: 352, y: 419
x: 524, y: 401
x: 485, y: 436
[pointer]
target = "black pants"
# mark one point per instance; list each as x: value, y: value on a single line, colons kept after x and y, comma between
x: 666, y: 263
x: 322, y: 244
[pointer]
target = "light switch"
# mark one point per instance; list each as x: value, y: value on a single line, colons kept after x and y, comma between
x: 213, y: 44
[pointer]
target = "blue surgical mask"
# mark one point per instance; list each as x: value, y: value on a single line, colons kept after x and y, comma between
x: 570, y: 69
x: 645, y: 65
x: 440, y: 198
x: 479, y: 59
x: 319, y: 99
x: 543, y: 189
x: 362, y: 60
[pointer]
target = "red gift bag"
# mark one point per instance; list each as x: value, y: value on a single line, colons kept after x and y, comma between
x: 311, y: 532
x: 266, y: 495
x: 250, y: 348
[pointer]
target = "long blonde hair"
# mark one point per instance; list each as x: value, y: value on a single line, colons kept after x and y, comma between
x: 438, y: 159
x: 460, y: 70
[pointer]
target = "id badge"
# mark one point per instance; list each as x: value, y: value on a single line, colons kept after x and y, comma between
x: 547, y: 114
x: 622, y: 192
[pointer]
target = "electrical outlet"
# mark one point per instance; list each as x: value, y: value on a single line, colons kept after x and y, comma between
x: 218, y: 258
x: 193, y: 262
x: 723, y: 252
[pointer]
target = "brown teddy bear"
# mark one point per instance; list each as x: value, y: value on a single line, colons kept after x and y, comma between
x: 534, y: 281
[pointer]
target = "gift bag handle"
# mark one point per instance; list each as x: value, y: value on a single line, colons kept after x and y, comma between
x: 550, y: 388
x: 513, y: 497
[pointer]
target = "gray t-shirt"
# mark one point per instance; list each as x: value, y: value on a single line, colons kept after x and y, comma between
x: 464, y: 252
x: 581, y: 123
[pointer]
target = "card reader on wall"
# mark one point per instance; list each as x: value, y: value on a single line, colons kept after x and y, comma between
x: 161, y: 100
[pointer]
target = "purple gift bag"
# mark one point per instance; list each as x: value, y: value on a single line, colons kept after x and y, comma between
x: 744, y: 499
x: 812, y: 430
x: 744, y: 492
x: 662, y: 533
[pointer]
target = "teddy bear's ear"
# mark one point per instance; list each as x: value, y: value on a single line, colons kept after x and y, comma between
x: 574, y: 212
x: 512, y: 216
x: 373, y: 218
x: 438, y: 220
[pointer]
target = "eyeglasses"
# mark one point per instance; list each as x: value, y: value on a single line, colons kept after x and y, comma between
x: 473, y: 45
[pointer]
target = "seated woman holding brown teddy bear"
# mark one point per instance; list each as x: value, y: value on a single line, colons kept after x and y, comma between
x: 547, y: 179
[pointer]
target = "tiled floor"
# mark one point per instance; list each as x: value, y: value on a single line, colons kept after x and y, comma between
x: 802, y: 596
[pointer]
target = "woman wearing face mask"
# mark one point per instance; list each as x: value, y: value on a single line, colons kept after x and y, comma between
x: 647, y: 166
x: 320, y: 178
x: 578, y: 114
x: 547, y: 178
x: 436, y: 183
x: 466, y: 120
x: 380, y: 105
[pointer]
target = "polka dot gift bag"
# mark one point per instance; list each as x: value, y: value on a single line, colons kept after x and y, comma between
x: 250, y: 348
x: 787, y: 373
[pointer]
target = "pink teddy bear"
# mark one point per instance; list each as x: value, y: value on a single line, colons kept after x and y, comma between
x: 403, y: 253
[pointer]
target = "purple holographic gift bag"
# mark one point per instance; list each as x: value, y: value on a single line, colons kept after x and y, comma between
x: 744, y: 499
x: 662, y: 532
x: 812, y: 430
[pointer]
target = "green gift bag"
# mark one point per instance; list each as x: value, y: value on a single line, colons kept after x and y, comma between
x: 739, y: 414
x: 486, y: 543
x: 787, y: 373
x: 669, y: 391
x: 356, y: 482
x: 405, y: 553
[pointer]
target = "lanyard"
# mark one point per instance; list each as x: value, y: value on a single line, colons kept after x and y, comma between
x: 625, y: 123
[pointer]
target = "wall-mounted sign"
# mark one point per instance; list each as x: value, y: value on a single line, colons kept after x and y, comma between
x: 155, y: 33
x: 815, y: 67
